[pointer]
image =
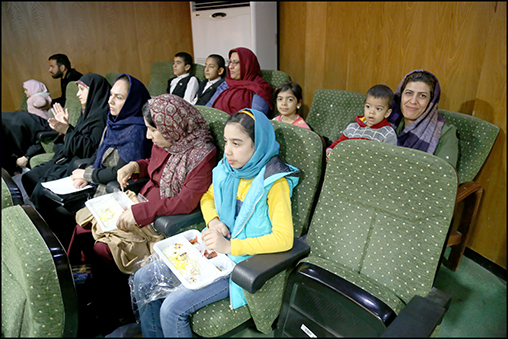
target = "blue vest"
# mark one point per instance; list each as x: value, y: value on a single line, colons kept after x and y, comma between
x: 253, y: 218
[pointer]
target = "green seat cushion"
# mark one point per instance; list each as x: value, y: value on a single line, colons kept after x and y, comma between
x: 6, y: 195
x: 29, y: 271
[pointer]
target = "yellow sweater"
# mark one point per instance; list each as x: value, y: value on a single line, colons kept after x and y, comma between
x: 279, y: 210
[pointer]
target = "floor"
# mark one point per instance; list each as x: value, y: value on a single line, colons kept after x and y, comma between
x: 478, y: 306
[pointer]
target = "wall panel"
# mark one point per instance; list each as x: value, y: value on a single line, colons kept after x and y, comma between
x: 355, y: 45
x: 97, y: 37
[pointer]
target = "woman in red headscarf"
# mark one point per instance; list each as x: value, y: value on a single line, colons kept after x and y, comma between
x: 244, y: 87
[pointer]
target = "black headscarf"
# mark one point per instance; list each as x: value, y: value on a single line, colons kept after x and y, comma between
x: 82, y: 140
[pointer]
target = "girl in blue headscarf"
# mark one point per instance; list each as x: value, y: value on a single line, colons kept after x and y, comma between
x: 124, y: 137
x: 247, y: 210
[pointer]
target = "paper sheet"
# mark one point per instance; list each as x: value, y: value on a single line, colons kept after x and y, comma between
x: 63, y: 186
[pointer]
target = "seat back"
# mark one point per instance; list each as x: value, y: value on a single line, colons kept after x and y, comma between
x: 476, y: 138
x: 216, y: 121
x: 38, y: 294
x: 383, y: 213
x: 111, y: 77
x: 162, y: 71
x: 11, y: 194
x: 303, y: 149
x: 332, y: 110
x: 23, y: 106
x: 274, y: 77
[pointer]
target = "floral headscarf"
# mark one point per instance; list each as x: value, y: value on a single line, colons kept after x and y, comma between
x: 183, y: 125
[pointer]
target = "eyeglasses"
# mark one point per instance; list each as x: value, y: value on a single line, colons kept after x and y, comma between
x: 233, y: 62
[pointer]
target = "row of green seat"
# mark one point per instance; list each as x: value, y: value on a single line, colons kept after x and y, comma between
x: 38, y: 294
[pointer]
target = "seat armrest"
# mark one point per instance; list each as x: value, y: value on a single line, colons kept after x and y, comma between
x: 170, y: 224
x: 134, y: 185
x: 252, y: 273
x: 466, y: 189
x: 82, y: 163
x: 47, y: 136
x: 421, y: 316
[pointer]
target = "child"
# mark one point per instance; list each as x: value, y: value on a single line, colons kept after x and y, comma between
x: 215, y: 72
x: 38, y: 99
x: 289, y: 100
x: 183, y: 84
x: 373, y: 125
x: 245, y: 214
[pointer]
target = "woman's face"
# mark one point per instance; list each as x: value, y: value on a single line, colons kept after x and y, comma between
x: 26, y: 92
x: 118, y: 95
x: 153, y: 134
x: 234, y: 66
x: 238, y: 147
x: 414, y: 100
x: 82, y: 94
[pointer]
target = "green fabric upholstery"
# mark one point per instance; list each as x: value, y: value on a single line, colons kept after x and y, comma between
x: 23, y: 107
x: 74, y: 106
x: 476, y: 138
x: 274, y: 77
x: 111, y: 77
x: 162, y: 71
x: 32, y: 304
x: 332, y: 110
x: 6, y: 195
x: 304, y: 149
x: 382, y: 218
x: 216, y: 121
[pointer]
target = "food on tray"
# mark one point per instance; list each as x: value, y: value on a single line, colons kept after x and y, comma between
x: 194, y: 241
x: 209, y: 255
x: 185, y: 262
x: 110, y: 215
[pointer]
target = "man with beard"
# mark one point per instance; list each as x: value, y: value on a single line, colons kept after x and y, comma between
x: 60, y: 67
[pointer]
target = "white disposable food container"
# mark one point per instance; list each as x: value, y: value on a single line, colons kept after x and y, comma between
x: 194, y: 270
x: 107, y: 208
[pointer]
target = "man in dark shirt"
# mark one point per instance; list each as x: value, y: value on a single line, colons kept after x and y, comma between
x: 60, y: 67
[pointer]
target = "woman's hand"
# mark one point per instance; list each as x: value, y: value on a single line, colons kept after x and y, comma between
x: 60, y: 122
x: 125, y: 173
x: 79, y: 183
x: 216, y: 224
x: 126, y: 221
x: 22, y: 161
x: 78, y: 174
x: 214, y: 240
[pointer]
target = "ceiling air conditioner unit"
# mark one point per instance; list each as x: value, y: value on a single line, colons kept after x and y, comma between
x: 219, y: 26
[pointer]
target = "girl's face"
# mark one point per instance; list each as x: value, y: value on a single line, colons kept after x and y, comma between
x: 26, y: 92
x: 153, y: 134
x: 118, y: 95
x: 234, y: 66
x: 287, y: 103
x: 238, y: 147
x: 212, y: 70
x: 82, y: 94
x: 414, y: 100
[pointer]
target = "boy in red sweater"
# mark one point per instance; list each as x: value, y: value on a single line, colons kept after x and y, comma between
x: 373, y: 124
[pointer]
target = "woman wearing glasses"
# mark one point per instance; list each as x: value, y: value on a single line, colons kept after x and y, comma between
x: 244, y: 87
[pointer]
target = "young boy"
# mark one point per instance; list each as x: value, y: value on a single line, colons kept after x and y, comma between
x: 373, y: 125
x: 183, y: 84
x: 215, y: 67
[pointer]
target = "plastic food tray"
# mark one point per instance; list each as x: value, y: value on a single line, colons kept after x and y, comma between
x: 188, y: 263
x: 107, y: 208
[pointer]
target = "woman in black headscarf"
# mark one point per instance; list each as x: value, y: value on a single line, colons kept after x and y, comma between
x: 79, y: 142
